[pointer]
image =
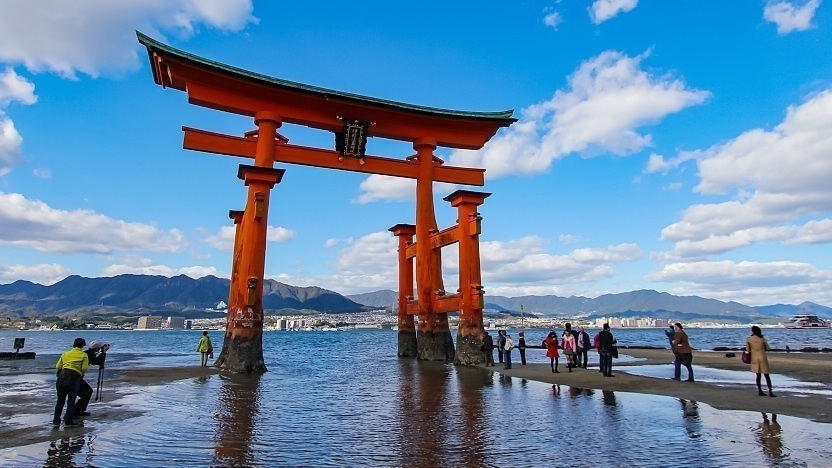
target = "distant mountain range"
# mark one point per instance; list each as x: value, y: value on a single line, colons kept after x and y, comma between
x: 184, y: 296
x: 157, y: 295
x: 628, y: 304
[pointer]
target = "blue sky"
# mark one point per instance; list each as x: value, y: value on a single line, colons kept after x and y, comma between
x: 681, y: 146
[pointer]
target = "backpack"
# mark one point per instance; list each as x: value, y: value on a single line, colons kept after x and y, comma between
x: 509, y: 344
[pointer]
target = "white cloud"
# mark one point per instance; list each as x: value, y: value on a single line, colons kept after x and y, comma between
x: 526, y: 261
x: 369, y: 263
x: 553, y: 19
x: 42, y: 273
x: 92, y: 36
x: 609, y: 97
x: 570, y: 239
x: 788, y: 16
x: 279, y: 234
x: 35, y: 225
x: 330, y: 243
x: 752, y: 283
x: 602, y: 10
x: 41, y: 173
x: 775, y: 176
x: 10, y: 141
x: 13, y: 88
x: 673, y: 186
x: 135, y: 265
x: 224, y: 239
x: 379, y: 187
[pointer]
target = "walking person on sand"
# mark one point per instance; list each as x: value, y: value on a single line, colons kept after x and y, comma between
x: 72, y: 365
x: 757, y: 346
x: 551, y: 345
x: 205, y: 348
x: 684, y: 354
x: 488, y: 347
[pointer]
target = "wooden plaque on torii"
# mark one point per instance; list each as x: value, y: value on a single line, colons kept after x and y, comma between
x: 271, y: 102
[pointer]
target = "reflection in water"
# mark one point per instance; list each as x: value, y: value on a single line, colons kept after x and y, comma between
x: 770, y: 436
x: 236, y: 420
x: 690, y: 414
x: 474, y: 418
x: 608, y: 397
x: 423, y: 388
x: 61, y: 452
x: 576, y: 392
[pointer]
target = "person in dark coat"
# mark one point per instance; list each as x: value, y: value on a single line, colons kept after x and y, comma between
x: 488, y: 347
x: 521, y: 345
x: 97, y: 353
x: 501, y: 342
x: 584, y: 345
x: 607, y: 341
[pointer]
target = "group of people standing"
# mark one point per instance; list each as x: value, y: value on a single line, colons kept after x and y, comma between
x: 575, y: 345
x: 504, y: 347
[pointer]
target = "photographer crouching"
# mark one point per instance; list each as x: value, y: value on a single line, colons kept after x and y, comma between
x: 97, y: 353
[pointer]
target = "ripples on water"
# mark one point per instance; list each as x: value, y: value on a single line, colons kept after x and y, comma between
x: 345, y: 399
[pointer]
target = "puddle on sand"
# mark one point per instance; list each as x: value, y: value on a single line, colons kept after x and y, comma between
x: 724, y: 377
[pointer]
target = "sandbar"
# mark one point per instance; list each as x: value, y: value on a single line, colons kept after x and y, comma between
x: 807, y: 367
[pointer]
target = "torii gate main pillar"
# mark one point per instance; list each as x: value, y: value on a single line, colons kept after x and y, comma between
x: 434, y: 336
x: 242, y: 349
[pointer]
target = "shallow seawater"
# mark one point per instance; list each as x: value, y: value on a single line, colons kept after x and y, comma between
x: 725, y: 377
x: 342, y: 399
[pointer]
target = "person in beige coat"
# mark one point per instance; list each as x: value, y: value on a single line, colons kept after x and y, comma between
x: 757, y: 346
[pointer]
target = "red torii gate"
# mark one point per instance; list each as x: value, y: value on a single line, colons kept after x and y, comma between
x: 271, y: 101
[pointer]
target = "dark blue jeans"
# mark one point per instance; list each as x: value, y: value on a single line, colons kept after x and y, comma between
x: 67, y: 386
x: 606, y: 363
x: 507, y: 359
x: 682, y: 359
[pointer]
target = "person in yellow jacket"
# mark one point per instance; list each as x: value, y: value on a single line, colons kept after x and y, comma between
x: 72, y: 365
x: 205, y: 348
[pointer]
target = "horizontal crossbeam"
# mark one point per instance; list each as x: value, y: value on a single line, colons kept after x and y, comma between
x: 442, y: 305
x: 209, y: 142
x: 446, y: 237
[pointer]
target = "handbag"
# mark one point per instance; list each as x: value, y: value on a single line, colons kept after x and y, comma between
x: 615, y: 352
x: 746, y: 357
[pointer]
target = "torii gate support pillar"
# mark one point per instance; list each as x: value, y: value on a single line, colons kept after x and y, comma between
x: 471, y: 301
x: 407, y: 326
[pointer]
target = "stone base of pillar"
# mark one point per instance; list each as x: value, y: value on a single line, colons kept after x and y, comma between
x: 468, y: 351
x: 242, y: 355
x: 435, y: 346
x: 407, y: 343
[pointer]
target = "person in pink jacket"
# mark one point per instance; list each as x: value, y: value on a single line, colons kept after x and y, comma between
x: 570, y: 348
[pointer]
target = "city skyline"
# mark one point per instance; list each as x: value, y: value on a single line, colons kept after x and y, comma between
x: 681, y: 147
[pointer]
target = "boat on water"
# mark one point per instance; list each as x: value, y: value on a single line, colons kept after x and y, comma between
x: 807, y: 321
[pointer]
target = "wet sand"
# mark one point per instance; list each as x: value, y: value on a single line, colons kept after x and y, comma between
x: 743, y: 396
x: 27, y: 415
